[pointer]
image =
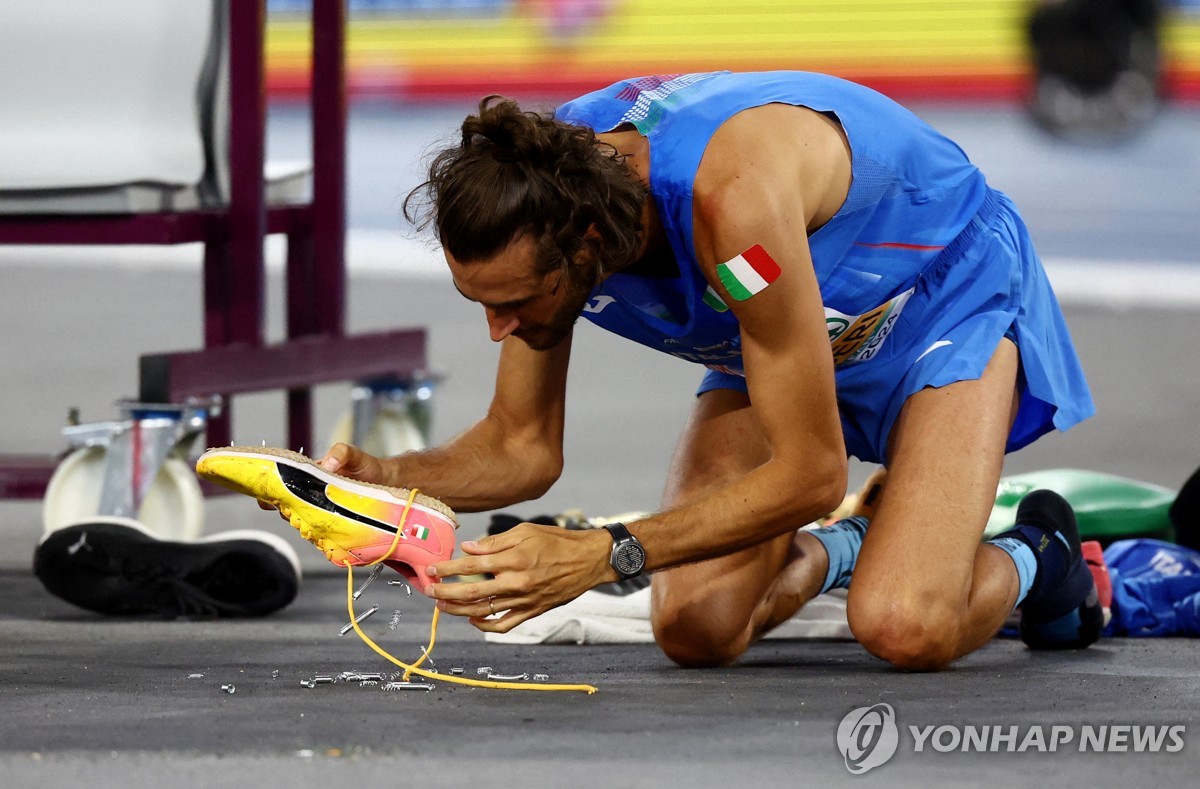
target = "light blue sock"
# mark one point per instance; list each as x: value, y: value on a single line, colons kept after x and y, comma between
x: 1023, y: 558
x: 842, y: 542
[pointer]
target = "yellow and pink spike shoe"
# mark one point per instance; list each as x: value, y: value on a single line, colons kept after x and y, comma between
x: 352, y: 522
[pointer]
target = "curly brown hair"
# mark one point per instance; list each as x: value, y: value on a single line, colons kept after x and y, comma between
x: 518, y: 173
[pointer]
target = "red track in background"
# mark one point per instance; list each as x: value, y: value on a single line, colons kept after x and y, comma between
x: 446, y: 85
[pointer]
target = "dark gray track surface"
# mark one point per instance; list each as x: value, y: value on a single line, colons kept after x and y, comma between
x: 102, y: 702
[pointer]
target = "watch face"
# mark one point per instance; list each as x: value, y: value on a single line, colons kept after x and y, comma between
x: 629, y: 559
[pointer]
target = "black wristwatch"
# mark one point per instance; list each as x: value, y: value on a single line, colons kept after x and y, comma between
x: 628, y: 557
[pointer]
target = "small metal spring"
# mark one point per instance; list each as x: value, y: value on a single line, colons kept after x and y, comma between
x: 394, y: 686
x: 370, y: 580
x: 350, y: 626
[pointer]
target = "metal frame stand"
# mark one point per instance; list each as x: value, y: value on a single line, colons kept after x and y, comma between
x: 410, y: 396
x: 137, y: 445
x: 235, y: 358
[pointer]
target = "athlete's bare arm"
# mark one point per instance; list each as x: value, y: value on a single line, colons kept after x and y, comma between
x: 769, y: 176
x: 511, y: 455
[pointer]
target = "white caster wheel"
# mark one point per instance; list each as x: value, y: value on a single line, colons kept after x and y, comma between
x: 173, y: 509
x: 392, y: 433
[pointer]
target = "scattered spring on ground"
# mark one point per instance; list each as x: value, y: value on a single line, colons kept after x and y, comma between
x: 370, y: 580
x: 484, y: 670
x: 229, y: 688
x: 365, y: 679
x: 393, y: 686
x: 317, y: 680
x: 395, y: 621
x: 350, y: 625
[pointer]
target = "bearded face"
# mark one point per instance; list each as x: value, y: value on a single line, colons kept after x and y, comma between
x: 538, y: 309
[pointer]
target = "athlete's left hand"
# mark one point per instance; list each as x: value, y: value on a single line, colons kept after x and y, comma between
x: 534, y: 568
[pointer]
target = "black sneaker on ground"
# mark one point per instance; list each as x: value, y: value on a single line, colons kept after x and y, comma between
x: 1062, y: 610
x: 116, y: 566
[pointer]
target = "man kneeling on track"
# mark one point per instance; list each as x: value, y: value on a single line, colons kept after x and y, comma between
x: 853, y: 286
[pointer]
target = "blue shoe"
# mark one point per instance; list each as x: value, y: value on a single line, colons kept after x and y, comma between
x: 1062, y: 609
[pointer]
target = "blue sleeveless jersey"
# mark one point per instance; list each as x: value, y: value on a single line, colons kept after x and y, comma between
x: 915, y: 202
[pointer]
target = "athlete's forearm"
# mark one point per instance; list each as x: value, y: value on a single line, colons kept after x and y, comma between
x: 481, y: 469
x: 771, y: 500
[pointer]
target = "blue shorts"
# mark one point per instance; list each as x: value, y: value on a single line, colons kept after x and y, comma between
x: 986, y: 285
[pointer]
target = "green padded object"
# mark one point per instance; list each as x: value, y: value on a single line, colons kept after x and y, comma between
x: 1107, y: 507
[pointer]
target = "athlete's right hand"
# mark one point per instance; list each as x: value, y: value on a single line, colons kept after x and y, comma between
x: 349, y: 461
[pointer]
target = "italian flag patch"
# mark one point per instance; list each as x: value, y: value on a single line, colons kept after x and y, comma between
x: 419, y: 532
x: 711, y: 298
x: 748, y: 273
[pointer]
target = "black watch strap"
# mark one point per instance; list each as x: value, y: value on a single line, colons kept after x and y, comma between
x: 628, y: 557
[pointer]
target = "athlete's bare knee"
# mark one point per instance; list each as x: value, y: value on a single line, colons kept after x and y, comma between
x: 695, y: 636
x: 912, y: 634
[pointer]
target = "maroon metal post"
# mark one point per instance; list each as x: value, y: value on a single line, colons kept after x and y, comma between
x: 25, y: 476
x: 84, y: 229
x: 243, y: 270
x: 301, y: 321
x: 329, y: 162
x: 234, y: 276
x: 236, y: 369
x: 316, y: 273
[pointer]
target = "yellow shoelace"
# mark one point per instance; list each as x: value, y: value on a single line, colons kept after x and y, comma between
x: 409, y: 670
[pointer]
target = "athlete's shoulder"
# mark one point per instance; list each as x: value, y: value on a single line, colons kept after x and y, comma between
x: 639, y: 101
x: 773, y: 156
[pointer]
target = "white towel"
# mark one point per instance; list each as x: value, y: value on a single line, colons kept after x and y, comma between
x: 597, y: 618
